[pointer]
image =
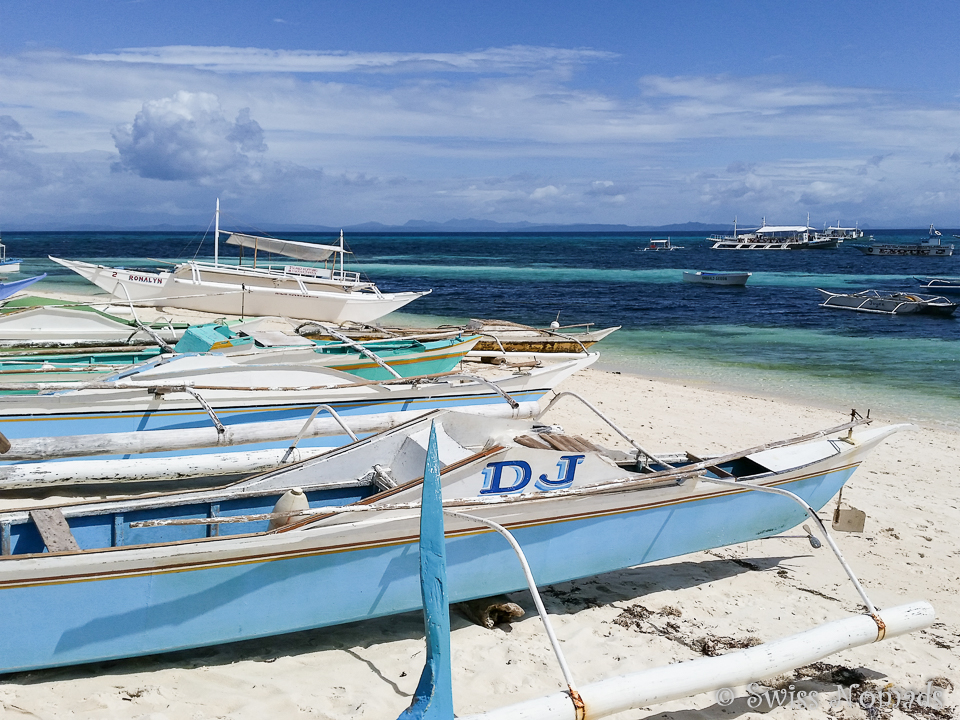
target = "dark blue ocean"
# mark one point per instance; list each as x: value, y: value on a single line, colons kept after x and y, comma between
x: 769, y: 337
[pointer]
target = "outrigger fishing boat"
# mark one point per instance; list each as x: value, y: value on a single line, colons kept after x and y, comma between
x: 945, y: 285
x: 373, y: 360
x: 334, y: 539
x: 663, y: 245
x: 433, y: 698
x: 775, y: 237
x: 205, y: 415
x: 842, y: 233
x: 498, y: 338
x: 33, y: 321
x: 312, y: 292
x: 888, y: 303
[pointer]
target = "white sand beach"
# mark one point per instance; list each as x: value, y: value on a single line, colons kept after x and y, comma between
x: 766, y: 589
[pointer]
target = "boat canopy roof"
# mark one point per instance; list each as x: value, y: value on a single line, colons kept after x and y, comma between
x: 290, y: 248
x: 782, y: 229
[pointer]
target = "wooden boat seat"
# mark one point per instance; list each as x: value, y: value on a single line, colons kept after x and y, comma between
x: 53, y: 527
x: 718, y: 471
x: 557, y: 441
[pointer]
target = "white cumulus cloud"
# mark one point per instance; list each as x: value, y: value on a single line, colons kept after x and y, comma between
x: 187, y: 137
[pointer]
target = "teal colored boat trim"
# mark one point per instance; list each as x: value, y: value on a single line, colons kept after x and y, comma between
x: 433, y: 699
x: 409, y: 358
x: 77, y: 360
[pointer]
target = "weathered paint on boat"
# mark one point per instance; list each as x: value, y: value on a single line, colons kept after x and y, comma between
x: 154, y: 598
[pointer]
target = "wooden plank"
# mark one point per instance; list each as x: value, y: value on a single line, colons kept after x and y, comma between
x: 553, y: 440
x: 54, y: 530
x: 531, y: 442
x: 719, y: 472
x: 564, y: 443
x: 588, y: 446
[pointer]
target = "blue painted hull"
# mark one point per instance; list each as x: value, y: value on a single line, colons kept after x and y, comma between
x: 64, y: 614
x: 86, y: 423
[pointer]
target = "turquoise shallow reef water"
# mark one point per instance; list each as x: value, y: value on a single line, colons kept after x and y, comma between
x: 770, y: 337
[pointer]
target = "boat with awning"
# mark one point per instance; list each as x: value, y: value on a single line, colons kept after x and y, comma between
x: 326, y: 293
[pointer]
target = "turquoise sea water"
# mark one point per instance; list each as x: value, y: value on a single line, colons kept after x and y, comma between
x: 769, y: 338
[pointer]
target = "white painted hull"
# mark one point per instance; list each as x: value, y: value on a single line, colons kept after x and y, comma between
x: 707, y: 278
x: 737, y: 245
x: 134, y: 589
x: 210, y: 465
x: 71, y: 325
x: 871, y: 301
x: 902, y: 250
x: 107, y: 424
x: 196, y: 287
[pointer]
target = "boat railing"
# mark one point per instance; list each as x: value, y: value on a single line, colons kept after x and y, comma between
x: 565, y: 336
x: 346, y: 276
x: 342, y: 276
x: 534, y: 593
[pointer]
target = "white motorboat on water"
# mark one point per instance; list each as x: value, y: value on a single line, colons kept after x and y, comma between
x: 888, y: 303
x: 842, y: 233
x: 930, y: 246
x: 705, y: 277
x: 661, y: 245
x: 326, y: 293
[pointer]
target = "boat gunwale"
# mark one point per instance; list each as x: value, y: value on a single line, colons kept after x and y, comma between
x: 238, y: 558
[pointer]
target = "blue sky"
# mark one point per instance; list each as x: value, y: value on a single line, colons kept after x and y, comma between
x: 631, y: 111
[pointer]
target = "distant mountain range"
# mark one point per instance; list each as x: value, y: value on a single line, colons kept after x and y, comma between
x: 460, y: 226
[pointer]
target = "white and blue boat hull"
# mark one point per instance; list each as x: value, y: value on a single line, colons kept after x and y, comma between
x: 97, y: 605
